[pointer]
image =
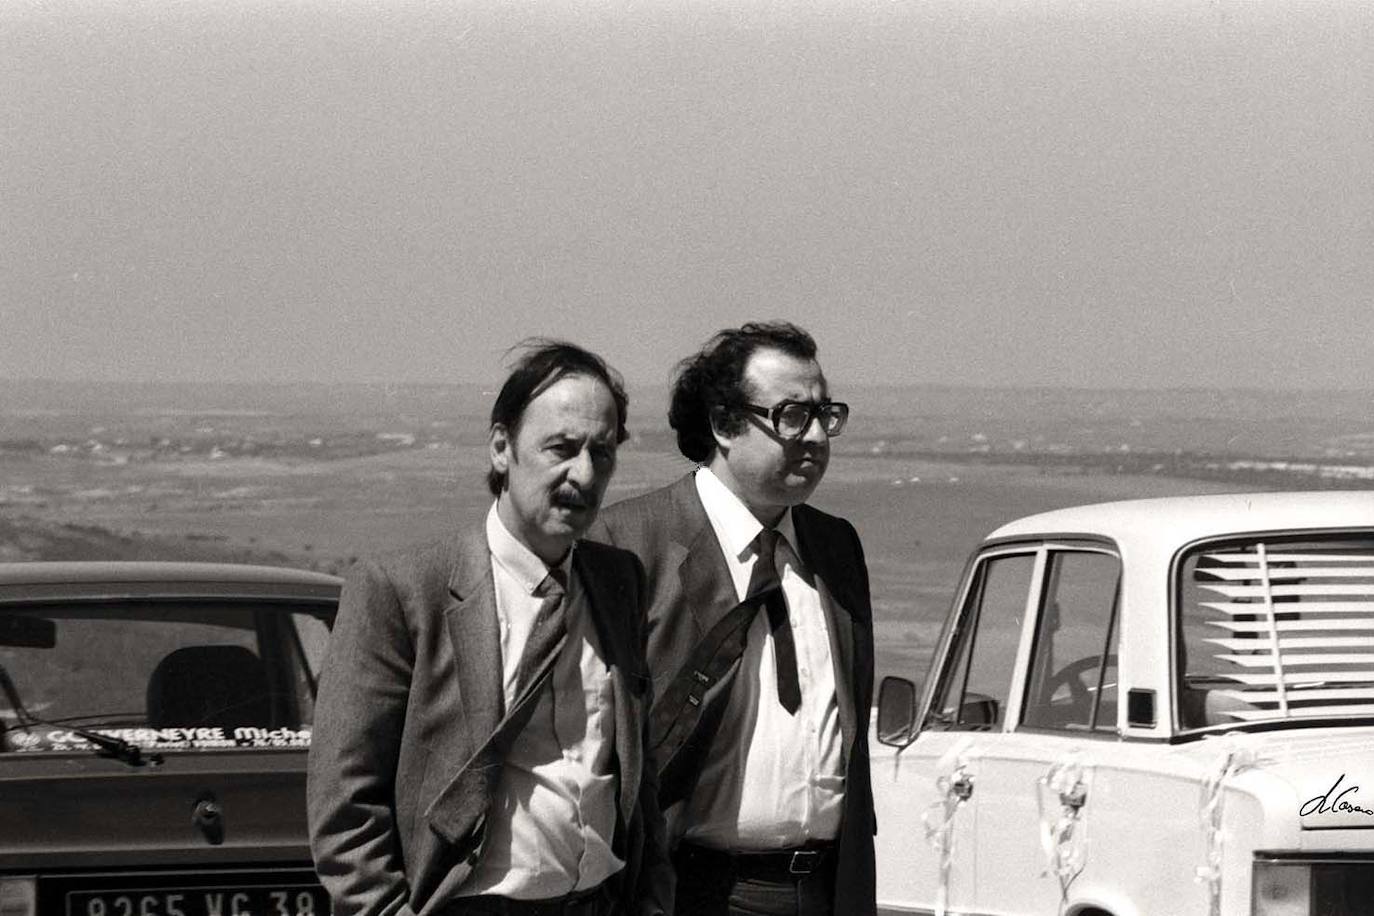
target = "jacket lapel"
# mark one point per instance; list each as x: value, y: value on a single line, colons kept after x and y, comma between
x: 473, y: 630
x: 839, y: 620
x: 475, y: 640
x: 707, y: 587
x: 607, y: 609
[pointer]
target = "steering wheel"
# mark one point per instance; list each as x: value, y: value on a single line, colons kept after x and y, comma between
x: 1071, y: 676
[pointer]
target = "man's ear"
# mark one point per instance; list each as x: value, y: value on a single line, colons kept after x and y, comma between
x: 717, y: 417
x: 500, y: 449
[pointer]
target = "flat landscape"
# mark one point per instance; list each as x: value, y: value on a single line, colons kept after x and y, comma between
x: 317, y: 475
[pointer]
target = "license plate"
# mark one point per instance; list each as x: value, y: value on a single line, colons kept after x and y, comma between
x: 268, y: 900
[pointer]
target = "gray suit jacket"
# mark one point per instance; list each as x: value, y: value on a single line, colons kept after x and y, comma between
x: 690, y: 590
x: 411, y: 689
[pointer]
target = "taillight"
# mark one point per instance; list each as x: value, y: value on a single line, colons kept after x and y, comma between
x: 1281, y: 888
x: 1320, y: 885
x: 18, y: 895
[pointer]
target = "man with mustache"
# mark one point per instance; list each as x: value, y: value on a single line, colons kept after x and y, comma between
x: 760, y: 638
x: 480, y: 733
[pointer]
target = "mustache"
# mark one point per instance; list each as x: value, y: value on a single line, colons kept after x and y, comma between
x: 570, y: 498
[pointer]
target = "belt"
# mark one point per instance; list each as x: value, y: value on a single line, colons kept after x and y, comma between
x: 780, y: 865
x: 591, y: 902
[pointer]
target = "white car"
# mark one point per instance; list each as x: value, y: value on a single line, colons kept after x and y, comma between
x: 1143, y: 708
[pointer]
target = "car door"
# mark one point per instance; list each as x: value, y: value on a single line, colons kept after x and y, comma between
x: 1034, y: 791
x: 926, y: 791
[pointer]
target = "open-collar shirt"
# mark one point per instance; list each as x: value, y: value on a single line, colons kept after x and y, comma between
x: 773, y: 780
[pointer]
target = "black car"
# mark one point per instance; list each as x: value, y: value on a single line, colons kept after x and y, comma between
x: 154, y: 725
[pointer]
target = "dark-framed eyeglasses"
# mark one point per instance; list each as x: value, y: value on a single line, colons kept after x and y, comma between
x: 791, y: 419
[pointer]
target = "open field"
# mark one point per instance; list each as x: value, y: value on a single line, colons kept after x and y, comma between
x: 315, y: 477
x: 322, y: 513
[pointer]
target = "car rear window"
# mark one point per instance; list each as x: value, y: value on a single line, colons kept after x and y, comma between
x: 1281, y: 628
x: 166, y: 675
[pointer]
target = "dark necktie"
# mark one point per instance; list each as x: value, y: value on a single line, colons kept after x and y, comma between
x: 550, y: 626
x: 765, y: 586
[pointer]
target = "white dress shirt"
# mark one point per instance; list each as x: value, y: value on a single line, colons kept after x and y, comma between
x: 772, y: 779
x: 552, y: 819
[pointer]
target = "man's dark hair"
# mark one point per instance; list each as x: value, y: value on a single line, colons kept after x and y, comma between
x: 714, y: 378
x: 543, y: 363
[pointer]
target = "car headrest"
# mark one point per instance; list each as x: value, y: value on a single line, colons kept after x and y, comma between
x: 209, y: 686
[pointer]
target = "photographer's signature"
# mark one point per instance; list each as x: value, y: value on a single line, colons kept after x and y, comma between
x: 1332, y: 802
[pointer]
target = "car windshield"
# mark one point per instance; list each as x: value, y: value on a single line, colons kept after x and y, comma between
x: 1277, y: 629
x: 168, y: 675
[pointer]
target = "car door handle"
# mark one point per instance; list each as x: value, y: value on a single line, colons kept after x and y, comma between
x: 962, y: 787
x: 209, y: 817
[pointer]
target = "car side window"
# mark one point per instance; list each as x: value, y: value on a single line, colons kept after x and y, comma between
x: 310, y: 634
x: 976, y: 682
x: 1073, y: 677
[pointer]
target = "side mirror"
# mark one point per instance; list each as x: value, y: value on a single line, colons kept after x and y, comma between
x: 896, y: 711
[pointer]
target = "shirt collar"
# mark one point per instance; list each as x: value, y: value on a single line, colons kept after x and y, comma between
x: 519, y: 562
x: 735, y: 525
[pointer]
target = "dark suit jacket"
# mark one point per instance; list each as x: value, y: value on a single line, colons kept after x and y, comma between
x: 412, y: 688
x: 690, y: 590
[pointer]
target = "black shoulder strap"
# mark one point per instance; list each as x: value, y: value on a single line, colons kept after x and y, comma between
x: 678, y: 715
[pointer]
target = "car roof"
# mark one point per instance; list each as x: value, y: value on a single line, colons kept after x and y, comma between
x: 117, y: 579
x: 1177, y: 520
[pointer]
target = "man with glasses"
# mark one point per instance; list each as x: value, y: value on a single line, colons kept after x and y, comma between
x: 760, y: 638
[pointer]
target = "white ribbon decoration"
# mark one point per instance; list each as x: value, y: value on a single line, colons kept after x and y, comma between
x: 1213, y: 802
x: 938, y: 818
x: 1063, y: 836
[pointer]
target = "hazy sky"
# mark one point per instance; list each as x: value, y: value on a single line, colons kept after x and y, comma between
x: 1104, y: 193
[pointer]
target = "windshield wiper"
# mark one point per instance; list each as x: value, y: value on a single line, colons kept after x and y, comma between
x: 106, y: 745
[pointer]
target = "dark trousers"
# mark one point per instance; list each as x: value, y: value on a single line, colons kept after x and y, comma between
x: 711, y: 883
x: 598, y: 901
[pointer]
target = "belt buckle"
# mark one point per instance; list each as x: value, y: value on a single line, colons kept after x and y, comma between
x: 804, y: 861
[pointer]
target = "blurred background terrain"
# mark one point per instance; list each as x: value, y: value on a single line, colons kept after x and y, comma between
x: 316, y: 475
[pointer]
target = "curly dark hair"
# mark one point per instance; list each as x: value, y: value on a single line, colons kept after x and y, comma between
x: 542, y: 363
x: 714, y: 377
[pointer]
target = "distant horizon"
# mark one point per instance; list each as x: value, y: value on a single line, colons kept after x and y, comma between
x: 644, y: 384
